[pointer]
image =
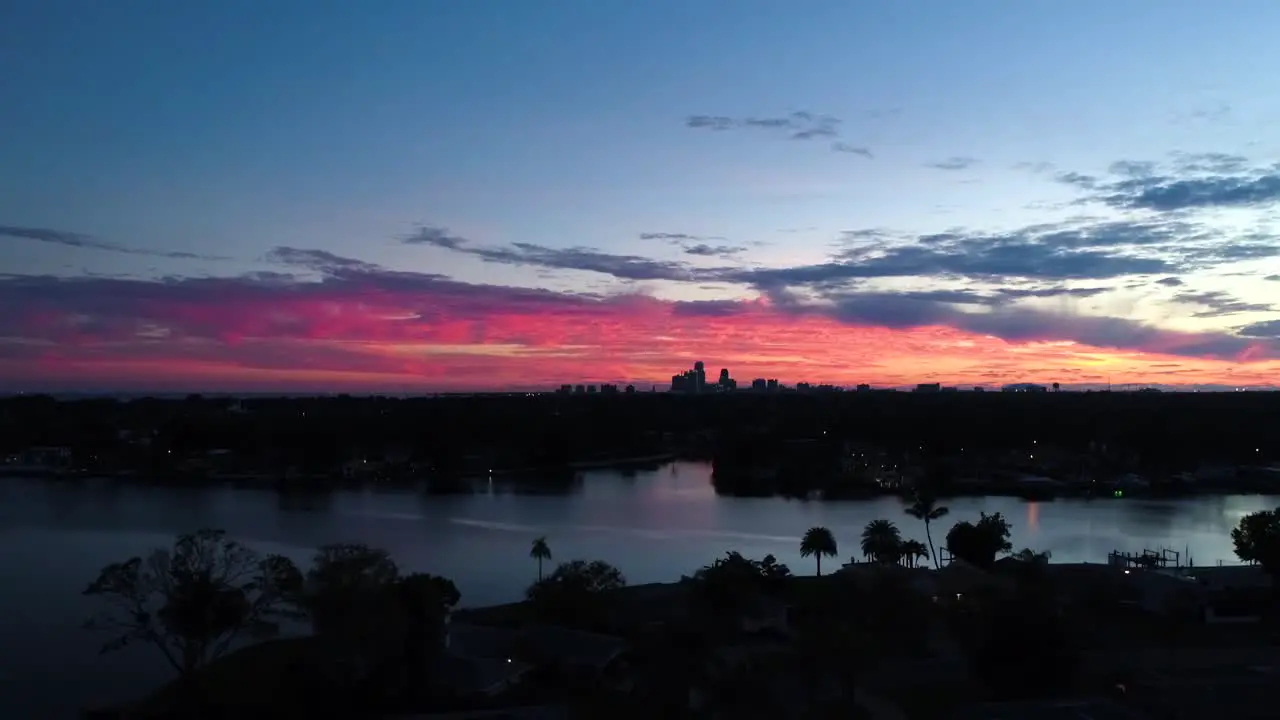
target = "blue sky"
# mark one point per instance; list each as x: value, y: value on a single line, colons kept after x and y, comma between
x: 229, y: 129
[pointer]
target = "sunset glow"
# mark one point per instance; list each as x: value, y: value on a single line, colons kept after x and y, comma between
x: 438, y: 197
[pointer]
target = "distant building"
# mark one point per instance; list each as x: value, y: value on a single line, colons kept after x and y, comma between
x: 772, y: 384
x: 802, y: 387
x: 1024, y: 388
x: 579, y: 389
x: 979, y: 388
x: 591, y: 389
x: 864, y: 388
x: 928, y: 387
x: 631, y: 389
x: 758, y: 384
x: 565, y: 389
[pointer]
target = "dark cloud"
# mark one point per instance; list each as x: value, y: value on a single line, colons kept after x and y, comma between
x: 1169, y: 282
x: 706, y: 308
x: 977, y: 256
x: 1209, y: 163
x: 1087, y: 182
x: 1268, y: 329
x: 321, y: 261
x: 801, y: 125
x: 1272, y: 278
x: 79, y: 240
x: 432, y: 235
x: 1189, y: 181
x: 959, y: 162
x: 1167, y: 194
x: 844, y: 147
x: 697, y: 244
x: 1219, y: 304
x: 1021, y: 325
x: 675, y: 237
x: 1133, y: 168
x: 626, y: 267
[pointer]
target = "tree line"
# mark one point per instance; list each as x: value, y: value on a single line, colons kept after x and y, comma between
x: 449, y: 434
x: 377, y: 633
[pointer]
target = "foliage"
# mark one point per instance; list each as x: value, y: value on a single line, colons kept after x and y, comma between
x: 882, y: 542
x: 721, y: 591
x: 194, y: 601
x: 912, y: 550
x: 924, y: 507
x: 1257, y: 540
x: 570, y: 594
x: 979, y: 543
x: 818, y: 541
x: 389, y: 628
x: 342, y: 590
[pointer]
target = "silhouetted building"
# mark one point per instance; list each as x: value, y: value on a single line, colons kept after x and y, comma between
x: 864, y: 388
x: 928, y: 387
x: 1024, y: 387
x: 758, y: 384
x: 591, y: 389
x: 565, y: 389
x: 579, y: 389
x: 772, y: 384
x: 631, y: 389
x: 692, y: 381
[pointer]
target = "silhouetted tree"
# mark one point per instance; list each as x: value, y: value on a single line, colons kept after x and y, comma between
x: 195, y: 601
x: 818, y: 541
x: 925, y: 507
x: 540, y: 551
x: 882, y: 542
x: 979, y: 543
x: 388, y: 628
x: 1257, y: 540
x: 571, y: 593
x: 911, y: 551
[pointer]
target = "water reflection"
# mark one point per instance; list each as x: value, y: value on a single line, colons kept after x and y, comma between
x: 654, y: 524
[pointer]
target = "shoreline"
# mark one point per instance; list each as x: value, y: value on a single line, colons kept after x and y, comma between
x: 330, y: 483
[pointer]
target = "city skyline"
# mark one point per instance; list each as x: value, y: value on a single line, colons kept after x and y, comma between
x: 441, y: 197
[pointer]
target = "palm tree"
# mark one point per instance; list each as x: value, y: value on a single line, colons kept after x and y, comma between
x: 818, y: 541
x: 881, y: 541
x: 540, y: 551
x: 925, y: 507
x: 913, y: 550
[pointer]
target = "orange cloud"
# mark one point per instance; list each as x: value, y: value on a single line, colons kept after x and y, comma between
x: 397, y: 332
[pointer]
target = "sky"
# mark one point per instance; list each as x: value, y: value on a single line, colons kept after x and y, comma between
x: 435, y: 195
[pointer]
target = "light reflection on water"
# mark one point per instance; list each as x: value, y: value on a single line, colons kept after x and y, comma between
x: 654, y: 525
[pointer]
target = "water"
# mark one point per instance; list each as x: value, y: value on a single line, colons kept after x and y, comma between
x: 654, y: 526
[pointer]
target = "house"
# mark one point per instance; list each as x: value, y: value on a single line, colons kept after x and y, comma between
x: 481, y: 660
x: 571, y: 649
